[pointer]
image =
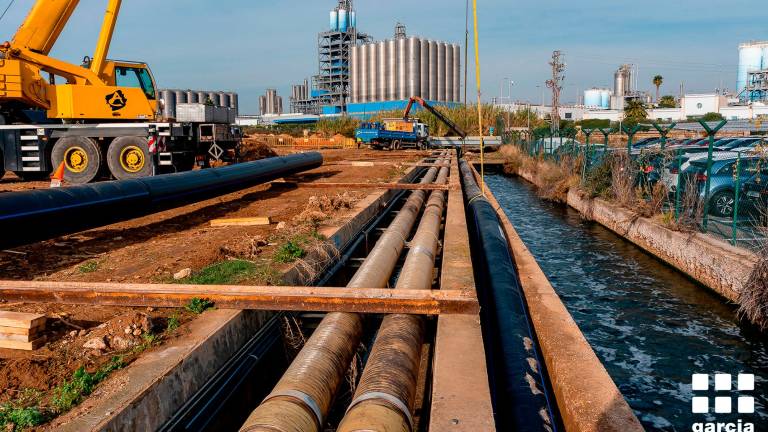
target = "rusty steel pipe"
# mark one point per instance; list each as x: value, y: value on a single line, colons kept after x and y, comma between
x: 302, y: 398
x: 386, y: 395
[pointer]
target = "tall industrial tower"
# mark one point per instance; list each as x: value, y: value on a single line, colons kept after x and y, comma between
x: 556, y: 84
x: 333, y: 48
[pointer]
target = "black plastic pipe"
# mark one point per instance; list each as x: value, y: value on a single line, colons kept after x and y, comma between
x: 30, y: 216
x: 519, y: 392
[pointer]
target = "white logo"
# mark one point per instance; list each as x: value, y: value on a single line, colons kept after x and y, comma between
x: 723, y: 402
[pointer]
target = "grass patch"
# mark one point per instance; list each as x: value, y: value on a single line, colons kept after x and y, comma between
x: 223, y: 273
x: 21, y: 417
x: 89, y: 267
x: 290, y: 252
x: 174, y: 322
x: 198, y: 305
x: 69, y: 393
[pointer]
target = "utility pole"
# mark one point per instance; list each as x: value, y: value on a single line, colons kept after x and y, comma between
x: 556, y: 84
x: 466, y: 55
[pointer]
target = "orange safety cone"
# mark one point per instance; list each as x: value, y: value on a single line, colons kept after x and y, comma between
x: 58, y: 177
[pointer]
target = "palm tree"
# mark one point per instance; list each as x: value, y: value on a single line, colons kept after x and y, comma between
x: 635, y: 110
x: 658, y: 80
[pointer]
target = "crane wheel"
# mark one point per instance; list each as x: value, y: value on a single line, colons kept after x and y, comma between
x: 81, y: 156
x: 129, y: 158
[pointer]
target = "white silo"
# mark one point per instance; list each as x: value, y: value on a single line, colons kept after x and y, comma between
x: 605, y: 98
x: 751, y: 58
x: 593, y: 98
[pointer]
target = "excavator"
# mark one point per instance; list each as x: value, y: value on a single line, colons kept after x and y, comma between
x: 98, y: 116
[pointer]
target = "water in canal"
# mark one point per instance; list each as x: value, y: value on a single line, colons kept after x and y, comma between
x: 649, y: 325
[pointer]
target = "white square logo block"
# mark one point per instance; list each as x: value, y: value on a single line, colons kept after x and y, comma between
x: 700, y: 405
x: 746, y: 382
x: 723, y: 382
x: 746, y: 405
x: 723, y: 405
x: 700, y: 382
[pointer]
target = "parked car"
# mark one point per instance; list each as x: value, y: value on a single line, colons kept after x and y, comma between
x: 754, y: 194
x: 722, y: 187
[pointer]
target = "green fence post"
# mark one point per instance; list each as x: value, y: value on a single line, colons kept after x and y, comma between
x: 711, y: 132
x: 679, y: 185
x: 736, y: 200
x: 664, y: 132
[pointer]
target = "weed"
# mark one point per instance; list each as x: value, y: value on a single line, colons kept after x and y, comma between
x: 198, y: 305
x: 89, y: 267
x: 20, y: 417
x: 290, y: 252
x: 70, y: 393
x: 173, y: 323
x: 223, y: 273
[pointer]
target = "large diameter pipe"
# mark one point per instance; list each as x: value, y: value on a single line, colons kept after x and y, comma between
x: 520, y: 396
x: 26, y: 217
x: 302, y: 398
x: 386, y: 395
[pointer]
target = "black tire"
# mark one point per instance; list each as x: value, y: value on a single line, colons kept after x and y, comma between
x: 129, y: 158
x: 395, y: 145
x: 722, y: 204
x: 81, y: 156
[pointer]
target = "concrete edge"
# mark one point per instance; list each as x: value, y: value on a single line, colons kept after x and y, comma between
x: 587, y: 397
x: 147, y: 393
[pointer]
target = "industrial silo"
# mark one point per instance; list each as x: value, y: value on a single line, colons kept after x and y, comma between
x: 448, y: 73
x: 363, y: 61
x: 373, y: 75
x: 605, y: 98
x: 192, y: 96
x: 424, y: 69
x: 334, y: 22
x: 201, y: 96
x: 750, y: 60
x: 169, y: 103
x: 413, y: 70
x: 353, y: 19
x: 402, y: 72
x: 457, y: 73
x: 593, y: 98
x: 223, y: 99
x: 381, y: 71
x: 391, y: 70
x: 214, y: 97
x: 343, y: 20
x: 234, y: 102
x: 441, y: 48
x: 263, y: 105
x: 432, y: 71
x: 354, y: 74
x: 181, y: 96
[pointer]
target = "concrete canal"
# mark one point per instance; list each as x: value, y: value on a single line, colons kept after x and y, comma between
x: 650, y: 326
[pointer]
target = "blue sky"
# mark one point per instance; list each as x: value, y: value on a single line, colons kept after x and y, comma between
x: 250, y: 45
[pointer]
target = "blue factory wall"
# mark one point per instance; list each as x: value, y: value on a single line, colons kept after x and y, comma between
x: 365, y: 110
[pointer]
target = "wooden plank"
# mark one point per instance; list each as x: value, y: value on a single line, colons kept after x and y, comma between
x: 392, y: 186
x: 18, y: 337
x: 297, y: 298
x: 251, y: 221
x: 21, y: 330
x: 23, y: 346
x: 20, y: 319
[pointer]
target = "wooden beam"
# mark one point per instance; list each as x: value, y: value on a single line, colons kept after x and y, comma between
x: 297, y: 298
x: 252, y: 221
x: 391, y: 186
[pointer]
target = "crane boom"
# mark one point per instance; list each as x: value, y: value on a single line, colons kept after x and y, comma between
x: 451, y: 125
x: 105, y: 37
x: 43, y: 25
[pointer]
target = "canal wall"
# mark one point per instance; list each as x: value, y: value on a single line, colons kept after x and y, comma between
x: 712, y: 262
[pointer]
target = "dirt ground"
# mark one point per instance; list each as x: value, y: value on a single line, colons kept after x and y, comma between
x: 153, y: 249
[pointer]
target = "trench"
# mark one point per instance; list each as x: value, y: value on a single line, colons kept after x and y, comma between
x: 651, y: 326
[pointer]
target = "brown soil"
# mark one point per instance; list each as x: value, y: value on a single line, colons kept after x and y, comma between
x: 153, y: 249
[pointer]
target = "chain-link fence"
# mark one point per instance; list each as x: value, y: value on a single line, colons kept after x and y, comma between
x: 716, y: 185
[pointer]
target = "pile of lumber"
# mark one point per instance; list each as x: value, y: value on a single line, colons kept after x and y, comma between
x: 21, y: 331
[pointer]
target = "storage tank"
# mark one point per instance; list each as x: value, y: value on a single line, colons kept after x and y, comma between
x: 391, y: 70
x: 263, y: 105
x: 201, y: 95
x: 424, y: 69
x: 457, y: 73
x: 448, y: 73
x: 605, y: 99
x: 169, y: 103
x: 354, y: 74
x: 181, y: 96
x: 619, y: 83
x: 353, y: 19
x: 214, y: 97
x: 363, y: 61
x: 402, y: 73
x: 234, y: 103
x: 373, y: 76
x: 334, y: 22
x: 432, y: 71
x: 593, y: 98
x: 381, y: 72
x: 343, y: 20
x: 441, y: 48
x: 192, y: 96
x: 223, y: 99
x: 750, y: 59
x: 413, y: 69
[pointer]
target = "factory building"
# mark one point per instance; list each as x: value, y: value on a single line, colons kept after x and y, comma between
x: 271, y: 103
x: 358, y: 76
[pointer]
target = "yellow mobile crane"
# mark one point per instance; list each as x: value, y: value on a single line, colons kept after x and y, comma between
x: 85, y: 115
